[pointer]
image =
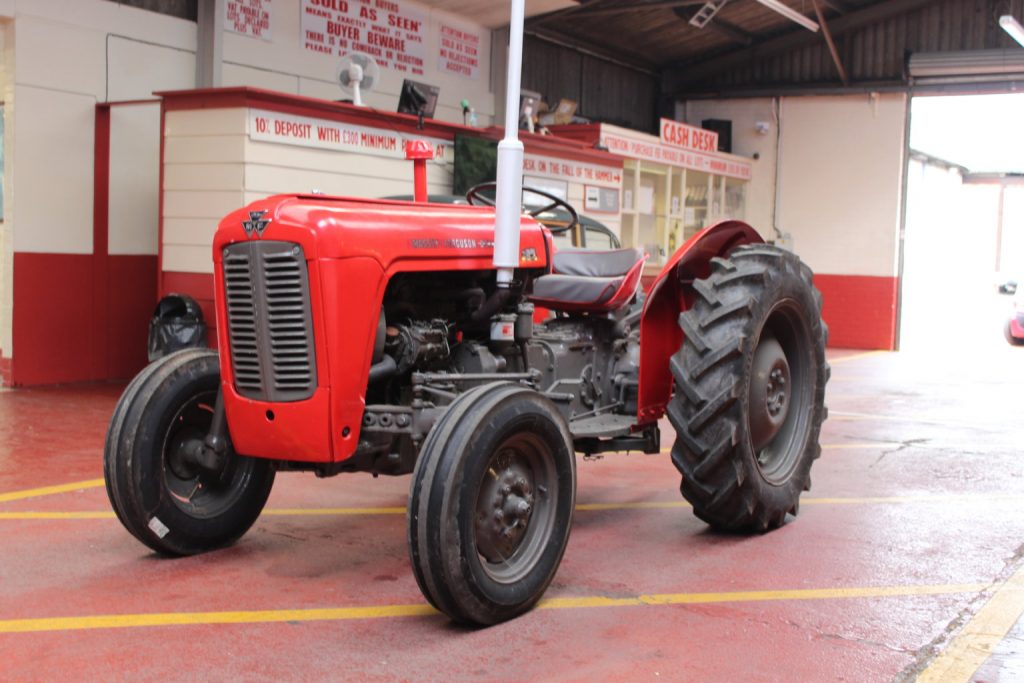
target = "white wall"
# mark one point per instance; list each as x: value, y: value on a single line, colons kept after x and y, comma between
x: 841, y: 174
x: 6, y: 226
x: 68, y: 56
x: 836, y: 164
x: 282, y: 63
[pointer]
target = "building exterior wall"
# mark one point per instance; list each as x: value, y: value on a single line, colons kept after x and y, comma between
x: 835, y: 190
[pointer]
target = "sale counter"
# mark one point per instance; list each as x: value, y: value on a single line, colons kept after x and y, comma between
x: 673, y: 184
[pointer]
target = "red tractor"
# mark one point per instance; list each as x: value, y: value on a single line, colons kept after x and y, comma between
x: 399, y: 337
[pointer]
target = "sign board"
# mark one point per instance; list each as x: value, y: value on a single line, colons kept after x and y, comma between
x: 393, y: 33
x: 458, y: 51
x: 601, y: 199
x: 558, y: 188
x: 248, y: 17
x: 304, y: 131
x: 572, y: 171
x: 688, y: 137
x: 654, y: 151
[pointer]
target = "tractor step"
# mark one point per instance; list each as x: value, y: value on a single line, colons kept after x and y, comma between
x: 602, y: 426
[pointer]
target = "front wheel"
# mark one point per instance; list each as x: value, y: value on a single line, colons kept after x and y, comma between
x: 491, y: 504
x: 750, y: 389
x: 158, y: 492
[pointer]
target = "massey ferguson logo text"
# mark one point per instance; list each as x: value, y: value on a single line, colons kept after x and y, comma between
x: 255, y: 224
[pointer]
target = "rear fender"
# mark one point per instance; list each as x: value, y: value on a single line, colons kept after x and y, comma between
x: 670, y: 295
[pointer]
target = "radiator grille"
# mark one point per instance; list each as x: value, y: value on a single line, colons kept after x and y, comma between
x: 266, y: 289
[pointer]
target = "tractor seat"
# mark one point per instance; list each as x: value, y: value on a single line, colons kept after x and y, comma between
x: 594, y: 281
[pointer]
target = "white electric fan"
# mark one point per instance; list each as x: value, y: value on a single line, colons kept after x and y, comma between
x: 358, y: 72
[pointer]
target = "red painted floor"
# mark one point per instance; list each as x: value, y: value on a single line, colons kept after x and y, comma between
x: 919, y: 489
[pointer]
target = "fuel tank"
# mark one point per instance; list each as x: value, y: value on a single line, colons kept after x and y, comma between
x: 387, y: 231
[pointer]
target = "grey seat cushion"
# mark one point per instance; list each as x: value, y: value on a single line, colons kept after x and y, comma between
x: 575, y: 289
x: 600, y: 264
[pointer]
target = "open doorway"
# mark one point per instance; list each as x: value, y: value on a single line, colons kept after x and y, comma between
x: 964, y: 228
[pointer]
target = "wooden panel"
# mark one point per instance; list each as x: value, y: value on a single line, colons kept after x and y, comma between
x: 134, y: 179
x: 192, y: 204
x: 203, y: 176
x: 188, y: 259
x: 204, y: 150
x: 189, y: 231
x: 194, y: 122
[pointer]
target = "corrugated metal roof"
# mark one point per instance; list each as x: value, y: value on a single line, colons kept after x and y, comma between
x: 747, y: 45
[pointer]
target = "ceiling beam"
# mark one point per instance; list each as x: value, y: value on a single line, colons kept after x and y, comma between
x: 836, y: 6
x: 716, y: 25
x: 625, y: 58
x: 831, y: 43
x: 558, y: 13
x: 679, y: 76
x: 597, y: 8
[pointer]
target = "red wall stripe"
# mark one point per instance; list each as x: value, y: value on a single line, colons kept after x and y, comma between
x: 58, y: 337
x: 131, y: 297
x: 100, y: 218
x: 860, y: 310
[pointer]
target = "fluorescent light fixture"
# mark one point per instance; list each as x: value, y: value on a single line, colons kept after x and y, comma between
x: 1013, y: 27
x: 790, y: 14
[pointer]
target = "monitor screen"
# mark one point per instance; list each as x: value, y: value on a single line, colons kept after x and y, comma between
x: 476, y: 161
x: 417, y: 98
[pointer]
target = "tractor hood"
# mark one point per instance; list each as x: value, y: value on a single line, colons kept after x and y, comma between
x: 387, y: 231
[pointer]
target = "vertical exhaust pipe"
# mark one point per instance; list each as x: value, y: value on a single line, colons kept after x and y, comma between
x: 509, y: 192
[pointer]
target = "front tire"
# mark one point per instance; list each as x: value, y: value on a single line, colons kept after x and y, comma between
x: 168, y: 503
x: 750, y: 390
x: 491, y: 504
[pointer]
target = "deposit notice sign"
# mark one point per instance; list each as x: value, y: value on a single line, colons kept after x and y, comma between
x: 248, y: 17
x: 305, y: 131
x: 391, y: 32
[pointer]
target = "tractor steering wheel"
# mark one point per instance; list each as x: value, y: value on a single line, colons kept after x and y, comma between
x: 476, y: 197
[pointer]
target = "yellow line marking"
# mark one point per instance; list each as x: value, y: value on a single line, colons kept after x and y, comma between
x: 50, y: 490
x: 640, y: 505
x: 856, y: 356
x: 390, y: 611
x: 96, y: 483
x: 57, y: 515
x: 975, y: 642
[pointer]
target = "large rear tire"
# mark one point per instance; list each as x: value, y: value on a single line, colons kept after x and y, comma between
x: 171, y: 505
x: 491, y: 504
x: 750, y: 389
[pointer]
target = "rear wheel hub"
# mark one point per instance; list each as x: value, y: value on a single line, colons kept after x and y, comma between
x: 769, y: 392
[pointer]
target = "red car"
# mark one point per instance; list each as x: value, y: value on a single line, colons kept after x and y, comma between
x: 1014, y: 329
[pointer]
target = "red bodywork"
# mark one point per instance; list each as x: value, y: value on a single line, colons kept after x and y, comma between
x: 1015, y: 325
x: 353, y: 248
